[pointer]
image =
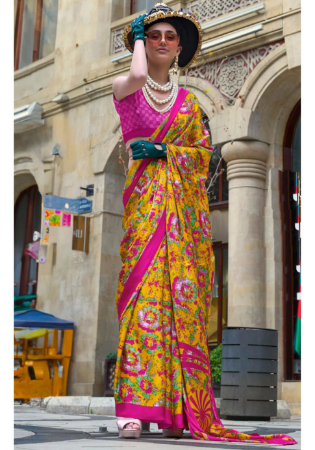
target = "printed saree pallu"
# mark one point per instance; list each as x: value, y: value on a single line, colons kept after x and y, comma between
x: 164, y: 290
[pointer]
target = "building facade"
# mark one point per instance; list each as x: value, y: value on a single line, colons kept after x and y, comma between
x: 67, y: 137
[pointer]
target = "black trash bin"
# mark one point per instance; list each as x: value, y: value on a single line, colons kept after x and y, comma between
x: 249, y: 373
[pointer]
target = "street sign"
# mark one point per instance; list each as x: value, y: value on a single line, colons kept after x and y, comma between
x: 79, y: 205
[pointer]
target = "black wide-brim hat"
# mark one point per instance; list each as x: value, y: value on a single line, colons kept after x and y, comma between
x: 186, y: 25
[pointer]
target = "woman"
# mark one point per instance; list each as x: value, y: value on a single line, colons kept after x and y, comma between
x: 164, y: 290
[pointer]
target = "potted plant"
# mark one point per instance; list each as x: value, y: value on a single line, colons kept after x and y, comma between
x: 109, y: 373
x: 215, y: 363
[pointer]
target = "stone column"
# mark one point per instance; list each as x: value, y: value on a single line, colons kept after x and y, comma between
x: 246, y: 173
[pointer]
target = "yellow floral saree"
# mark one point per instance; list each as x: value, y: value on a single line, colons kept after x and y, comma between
x: 164, y: 290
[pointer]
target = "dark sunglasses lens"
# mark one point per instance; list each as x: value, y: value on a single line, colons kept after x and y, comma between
x: 154, y: 35
x: 170, y: 36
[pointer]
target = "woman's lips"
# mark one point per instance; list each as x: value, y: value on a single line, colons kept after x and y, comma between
x: 162, y: 50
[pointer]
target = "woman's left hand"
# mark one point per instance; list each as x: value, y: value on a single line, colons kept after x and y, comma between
x: 147, y: 149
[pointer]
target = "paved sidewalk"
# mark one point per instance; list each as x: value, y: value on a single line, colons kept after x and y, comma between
x: 35, y: 429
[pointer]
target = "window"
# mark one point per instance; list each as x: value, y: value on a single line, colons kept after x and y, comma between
x: 218, y: 194
x: 27, y: 219
x: 35, y: 30
x: 137, y: 5
x: 218, y: 310
x: 290, y: 201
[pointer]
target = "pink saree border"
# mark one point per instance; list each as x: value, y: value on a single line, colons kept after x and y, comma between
x: 154, y: 414
x: 180, y: 98
x: 190, y: 365
x: 193, y: 350
x: 142, y: 264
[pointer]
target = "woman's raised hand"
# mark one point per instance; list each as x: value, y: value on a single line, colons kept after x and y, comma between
x: 137, y: 27
x: 124, y: 86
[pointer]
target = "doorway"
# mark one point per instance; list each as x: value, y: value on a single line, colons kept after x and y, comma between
x: 27, y: 219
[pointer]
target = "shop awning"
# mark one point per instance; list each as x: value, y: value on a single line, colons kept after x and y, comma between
x: 33, y: 318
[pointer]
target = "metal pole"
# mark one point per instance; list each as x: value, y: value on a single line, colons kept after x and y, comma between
x: 149, y: 5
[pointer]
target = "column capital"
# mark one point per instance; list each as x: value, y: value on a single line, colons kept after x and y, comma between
x: 245, y: 159
x: 245, y: 150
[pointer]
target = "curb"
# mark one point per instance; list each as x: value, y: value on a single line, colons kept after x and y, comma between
x: 105, y: 406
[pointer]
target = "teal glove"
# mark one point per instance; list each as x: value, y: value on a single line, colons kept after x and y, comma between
x: 146, y: 149
x: 137, y: 27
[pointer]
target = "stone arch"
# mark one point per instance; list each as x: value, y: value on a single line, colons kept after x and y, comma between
x: 210, y: 98
x: 22, y: 181
x: 30, y: 170
x: 270, y: 92
x: 265, y: 102
x: 110, y: 263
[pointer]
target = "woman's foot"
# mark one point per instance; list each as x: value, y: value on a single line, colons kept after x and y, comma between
x: 129, y: 428
x: 173, y: 433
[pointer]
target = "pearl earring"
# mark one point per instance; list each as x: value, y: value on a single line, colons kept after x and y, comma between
x: 175, y: 68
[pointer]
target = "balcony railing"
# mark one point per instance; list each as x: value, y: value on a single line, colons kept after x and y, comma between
x: 209, y: 9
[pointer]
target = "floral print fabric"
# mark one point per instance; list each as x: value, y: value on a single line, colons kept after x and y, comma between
x: 163, y: 373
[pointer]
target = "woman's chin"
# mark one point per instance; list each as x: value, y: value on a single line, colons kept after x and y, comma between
x: 162, y: 58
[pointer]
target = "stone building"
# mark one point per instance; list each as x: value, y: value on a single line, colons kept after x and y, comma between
x: 247, y: 79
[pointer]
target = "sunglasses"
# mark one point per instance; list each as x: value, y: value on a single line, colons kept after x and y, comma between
x: 155, y: 37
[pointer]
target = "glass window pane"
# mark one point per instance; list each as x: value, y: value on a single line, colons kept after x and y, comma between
x: 225, y: 287
x: 296, y: 149
x: 28, y: 27
x: 213, y: 319
x: 20, y: 217
x: 49, y: 27
x: 139, y: 5
x: 213, y: 193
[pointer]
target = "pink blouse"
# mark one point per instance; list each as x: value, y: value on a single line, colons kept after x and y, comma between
x: 137, y: 117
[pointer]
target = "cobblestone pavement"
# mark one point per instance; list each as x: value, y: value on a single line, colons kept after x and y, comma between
x: 35, y: 429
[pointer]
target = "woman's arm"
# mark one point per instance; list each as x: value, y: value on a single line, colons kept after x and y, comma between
x: 124, y: 86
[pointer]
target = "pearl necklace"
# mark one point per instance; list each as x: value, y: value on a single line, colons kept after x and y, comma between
x: 167, y: 108
x: 158, y: 87
x: 156, y: 100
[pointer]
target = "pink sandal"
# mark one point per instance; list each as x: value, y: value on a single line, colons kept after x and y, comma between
x: 129, y: 432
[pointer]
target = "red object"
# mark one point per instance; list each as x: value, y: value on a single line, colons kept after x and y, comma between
x: 32, y: 249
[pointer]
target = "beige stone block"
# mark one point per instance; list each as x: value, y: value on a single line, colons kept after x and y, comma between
x: 84, y: 372
x: 293, y: 43
x: 242, y: 315
x: 295, y: 409
x: 291, y: 391
x: 292, y: 24
x: 84, y: 346
x: 273, y: 8
x: 80, y: 389
x: 111, y: 243
x: 98, y: 391
x: 99, y: 371
x: 36, y: 83
x: 291, y: 5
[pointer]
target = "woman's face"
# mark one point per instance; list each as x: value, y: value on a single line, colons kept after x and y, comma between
x: 165, y: 51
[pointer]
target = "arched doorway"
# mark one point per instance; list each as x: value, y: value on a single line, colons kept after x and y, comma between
x: 291, y: 244
x: 218, y: 195
x: 27, y: 219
